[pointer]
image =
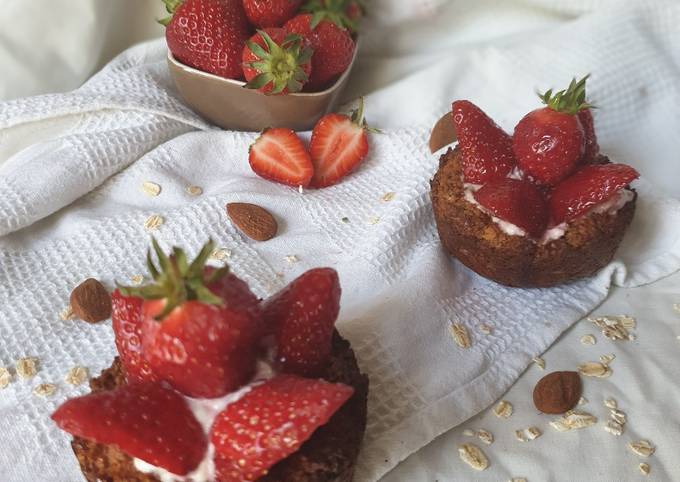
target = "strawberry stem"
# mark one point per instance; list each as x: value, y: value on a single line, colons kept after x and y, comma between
x: 176, y: 280
x: 335, y: 11
x: 568, y: 101
x: 170, y: 7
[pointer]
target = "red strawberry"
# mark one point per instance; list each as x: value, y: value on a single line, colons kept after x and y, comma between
x: 208, y: 35
x: 279, y: 155
x: 193, y: 339
x: 549, y: 142
x: 592, y: 148
x: 127, y: 327
x: 486, y: 149
x: 333, y: 49
x: 339, y: 144
x: 271, y: 422
x: 516, y: 201
x: 303, y: 317
x: 343, y: 13
x: 588, y: 187
x: 276, y: 62
x: 148, y: 421
x: 270, y: 13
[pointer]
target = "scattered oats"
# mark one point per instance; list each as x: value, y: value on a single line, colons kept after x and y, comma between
x: 45, y: 390
x: 676, y: 307
x: 485, y: 436
x: 151, y: 188
x: 607, y: 359
x: 618, y: 416
x: 473, y: 456
x: 66, y: 314
x: 194, y: 191
x: 388, y: 196
x: 534, y: 433
x: 468, y: 433
x: 582, y: 401
x: 5, y: 377
x: 76, y: 376
x: 644, y: 468
x: 153, y: 222
x: 291, y: 259
x: 27, y: 367
x: 642, y: 448
x: 220, y: 254
x: 632, y: 337
x: 573, y: 420
x: 540, y: 362
x: 373, y: 220
x: 486, y: 329
x: 518, y: 479
x: 137, y: 279
x: 503, y: 409
x: 301, y: 189
x: 345, y: 220
x: 460, y: 335
x: 614, y: 428
x: 615, y: 327
x: 594, y: 369
x: 610, y: 403
x: 521, y: 436
x: 588, y: 340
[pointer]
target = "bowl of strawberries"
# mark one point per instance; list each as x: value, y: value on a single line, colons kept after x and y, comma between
x: 252, y: 64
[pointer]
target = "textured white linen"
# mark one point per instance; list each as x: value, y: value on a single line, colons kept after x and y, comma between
x: 126, y: 126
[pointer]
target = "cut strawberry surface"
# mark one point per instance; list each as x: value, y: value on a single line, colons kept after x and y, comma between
x: 279, y: 155
x: 192, y: 338
x: 588, y: 187
x: 516, y: 201
x: 148, y: 421
x: 486, y: 149
x: 338, y: 146
x: 303, y: 317
x: 270, y: 422
x: 126, y: 317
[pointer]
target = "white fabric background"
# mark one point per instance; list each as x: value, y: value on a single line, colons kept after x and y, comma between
x: 474, y: 40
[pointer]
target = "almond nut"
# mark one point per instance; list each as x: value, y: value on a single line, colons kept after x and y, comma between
x: 443, y: 133
x: 91, y: 302
x: 557, y: 392
x: 255, y: 222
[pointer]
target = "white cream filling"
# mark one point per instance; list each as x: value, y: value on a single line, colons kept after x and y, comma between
x: 206, y: 410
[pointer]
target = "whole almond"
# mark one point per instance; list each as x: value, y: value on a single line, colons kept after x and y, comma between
x: 255, y: 221
x: 443, y: 133
x: 90, y: 301
x: 557, y: 392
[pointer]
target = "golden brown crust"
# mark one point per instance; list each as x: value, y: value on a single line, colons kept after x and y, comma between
x: 328, y: 456
x: 470, y: 235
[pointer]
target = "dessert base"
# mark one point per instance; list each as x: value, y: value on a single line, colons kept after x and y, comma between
x: 328, y: 456
x: 471, y: 236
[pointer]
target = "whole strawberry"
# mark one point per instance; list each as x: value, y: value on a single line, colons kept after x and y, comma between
x: 549, y: 142
x: 208, y: 35
x: 276, y: 62
x: 343, y: 13
x: 485, y: 148
x: 592, y: 148
x: 333, y: 49
x: 270, y: 13
x: 199, y: 327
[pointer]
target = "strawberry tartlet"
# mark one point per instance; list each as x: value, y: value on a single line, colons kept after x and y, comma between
x: 213, y: 385
x: 536, y: 209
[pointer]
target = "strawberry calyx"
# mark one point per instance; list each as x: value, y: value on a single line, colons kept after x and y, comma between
x: 176, y: 280
x: 569, y: 101
x: 335, y: 11
x: 170, y: 7
x: 357, y: 118
x: 282, y: 65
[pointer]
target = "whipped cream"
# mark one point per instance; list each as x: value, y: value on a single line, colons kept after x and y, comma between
x: 206, y: 410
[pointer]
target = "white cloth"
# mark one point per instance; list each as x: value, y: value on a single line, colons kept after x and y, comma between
x: 127, y: 126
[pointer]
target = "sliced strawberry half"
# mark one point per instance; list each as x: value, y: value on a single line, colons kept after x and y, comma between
x: 271, y: 422
x: 588, y: 187
x: 126, y: 318
x: 516, y: 201
x: 339, y: 144
x: 303, y: 316
x: 486, y: 148
x: 279, y: 155
x: 148, y: 421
